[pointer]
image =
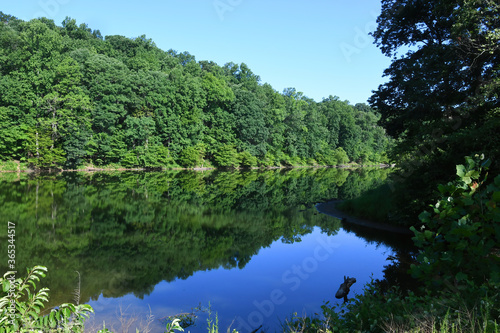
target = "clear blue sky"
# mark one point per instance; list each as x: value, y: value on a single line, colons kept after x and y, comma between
x: 319, y: 47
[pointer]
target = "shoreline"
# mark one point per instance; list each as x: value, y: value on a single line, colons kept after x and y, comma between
x: 97, y: 169
x: 329, y: 208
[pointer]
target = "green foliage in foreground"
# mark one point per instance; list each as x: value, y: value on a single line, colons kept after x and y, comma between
x: 457, y: 269
x: 460, y: 236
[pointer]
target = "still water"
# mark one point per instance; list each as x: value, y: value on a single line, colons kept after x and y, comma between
x: 247, y: 247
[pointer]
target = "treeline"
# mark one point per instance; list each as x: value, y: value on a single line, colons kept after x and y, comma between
x: 70, y: 97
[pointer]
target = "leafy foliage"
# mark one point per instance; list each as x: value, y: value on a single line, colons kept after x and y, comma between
x: 456, y: 286
x: 71, y: 97
x: 21, y: 306
x: 441, y: 101
x: 460, y: 236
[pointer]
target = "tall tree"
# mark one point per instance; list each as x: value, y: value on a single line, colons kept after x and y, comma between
x: 453, y: 58
x: 441, y: 99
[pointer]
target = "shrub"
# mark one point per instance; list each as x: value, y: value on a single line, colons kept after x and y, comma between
x: 460, y: 235
x: 192, y: 156
x: 247, y: 159
x: 21, y: 304
x: 458, y: 266
x: 226, y: 156
x: 341, y: 156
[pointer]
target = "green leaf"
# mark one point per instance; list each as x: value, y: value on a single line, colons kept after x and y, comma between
x: 470, y: 161
x: 428, y: 234
x: 460, y: 171
x: 474, y: 174
x: 5, y: 285
x: 497, y: 180
x: 496, y: 196
x: 66, y: 312
x: 461, y: 276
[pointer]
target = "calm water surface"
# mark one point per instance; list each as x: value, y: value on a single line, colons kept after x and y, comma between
x: 249, y: 245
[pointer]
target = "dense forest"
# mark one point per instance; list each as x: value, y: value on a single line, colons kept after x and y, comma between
x: 71, y: 98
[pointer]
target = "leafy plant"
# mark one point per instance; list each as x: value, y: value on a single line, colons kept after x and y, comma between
x: 21, y: 306
x: 174, y: 326
x: 460, y: 236
x: 192, y: 156
x: 247, y: 159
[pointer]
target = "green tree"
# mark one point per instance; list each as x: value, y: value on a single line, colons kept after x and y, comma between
x: 42, y: 151
x: 226, y: 156
x: 439, y: 99
x: 192, y: 156
x: 13, y: 134
x: 439, y: 87
x: 250, y: 122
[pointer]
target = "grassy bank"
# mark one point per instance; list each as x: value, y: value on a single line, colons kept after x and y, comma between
x: 375, y: 205
x: 13, y: 166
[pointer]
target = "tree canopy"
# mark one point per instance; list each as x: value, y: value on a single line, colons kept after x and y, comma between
x: 441, y: 100
x: 71, y: 97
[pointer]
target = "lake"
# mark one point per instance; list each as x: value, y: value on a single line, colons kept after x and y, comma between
x: 247, y: 247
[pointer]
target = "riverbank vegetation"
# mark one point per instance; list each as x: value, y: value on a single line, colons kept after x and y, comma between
x: 441, y: 105
x: 72, y: 98
x: 441, y: 102
x: 454, y: 278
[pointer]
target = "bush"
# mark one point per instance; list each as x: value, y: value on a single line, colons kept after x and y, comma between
x: 458, y: 267
x: 129, y: 160
x: 192, y: 156
x: 226, y: 156
x: 328, y: 158
x: 269, y: 160
x: 460, y: 236
x: 341, y: 156
x: 247, y: 160
x: 155, y: 156
x: 12, y: 166
x: 21, y: 304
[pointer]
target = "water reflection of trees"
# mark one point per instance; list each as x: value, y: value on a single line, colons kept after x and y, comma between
x: 125, y: 232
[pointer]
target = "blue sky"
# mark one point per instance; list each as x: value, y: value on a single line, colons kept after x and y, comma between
x: 319, y: 47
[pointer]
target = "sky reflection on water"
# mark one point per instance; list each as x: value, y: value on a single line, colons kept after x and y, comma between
x: 280, y: 280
